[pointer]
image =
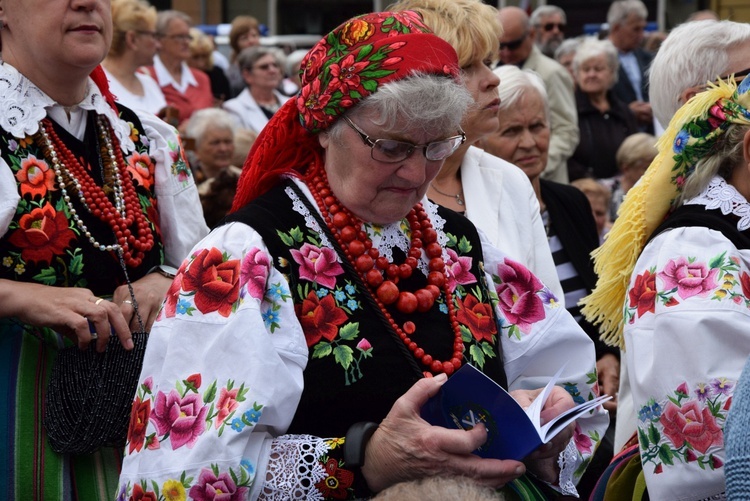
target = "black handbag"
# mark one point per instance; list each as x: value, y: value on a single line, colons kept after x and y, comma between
x: 90, y: 394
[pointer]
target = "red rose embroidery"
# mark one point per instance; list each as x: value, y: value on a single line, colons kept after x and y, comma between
x: 643, y: 293
x: 42, y: 234
x: 745, y: 282
x: 139, y: 495
x: 215, y: 282
x: 336, y: 482
x: 320, y: 318
x: 139, y: 416
x: 477, y: 317
x: 691, y: 424
x: 35, y: 177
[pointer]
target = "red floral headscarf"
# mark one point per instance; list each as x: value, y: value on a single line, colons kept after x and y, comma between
x: 346, y: 66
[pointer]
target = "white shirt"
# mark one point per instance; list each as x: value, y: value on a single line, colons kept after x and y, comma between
x: 152, y: 100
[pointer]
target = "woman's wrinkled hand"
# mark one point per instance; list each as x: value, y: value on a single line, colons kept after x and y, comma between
x: 149, y: 292
x: 543, y: 461
x: 608, y: 370
x: 406, y: 447
x: 72, y: 311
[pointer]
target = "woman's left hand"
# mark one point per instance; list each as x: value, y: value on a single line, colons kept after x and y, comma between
x: 149, y: 293
x: 543, y: 461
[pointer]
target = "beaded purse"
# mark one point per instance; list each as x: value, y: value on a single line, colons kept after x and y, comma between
x: 90, y: 394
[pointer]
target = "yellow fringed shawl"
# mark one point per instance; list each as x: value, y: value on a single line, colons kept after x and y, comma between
x: 643, y: 210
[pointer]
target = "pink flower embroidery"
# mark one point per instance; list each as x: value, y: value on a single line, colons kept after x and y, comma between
x: 459, y: 270
x: 184, y: 418
x: 226, y: 404
x: 317, y: 265
x: 692, y: 424
x: 690, y: 279
x: 254, y: 272
x: 211, y: 487
x: 583, y: 442
x: 517, y: 294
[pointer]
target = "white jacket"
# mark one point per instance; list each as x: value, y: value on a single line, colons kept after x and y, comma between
x: 248, y: 112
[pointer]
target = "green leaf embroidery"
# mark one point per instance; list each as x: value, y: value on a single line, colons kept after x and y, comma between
x: 322, y: 349
x: 349, y: 331
x: 343, y: 355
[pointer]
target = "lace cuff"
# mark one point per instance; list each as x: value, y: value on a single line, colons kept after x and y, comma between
x: 568, y: 462
x: 309, y: 468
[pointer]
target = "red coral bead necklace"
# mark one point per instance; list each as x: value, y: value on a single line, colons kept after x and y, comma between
x: 382, y: 277
x: 120, y: 215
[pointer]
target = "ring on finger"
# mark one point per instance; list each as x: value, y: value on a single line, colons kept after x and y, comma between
x: 98, y: 301
x: 94, y: 335
x: 128, y: 301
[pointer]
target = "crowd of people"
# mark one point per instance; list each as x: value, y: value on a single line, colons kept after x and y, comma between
x: 254, y: 271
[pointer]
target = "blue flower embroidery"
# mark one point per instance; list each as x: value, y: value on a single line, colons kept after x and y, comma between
x: 237, y: 424
x: 339, y: 296
x: 270, y: 317
x: 351, y: 304
x: 252, y: 416
x: 443, y: 308
x: 182, y: 307
x: 248, y: 466
x: 322, y: 292
x: 350, y: 289
x: 681, y: 141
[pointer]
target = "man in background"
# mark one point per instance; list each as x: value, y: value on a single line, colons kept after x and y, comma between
x: 549, y: 23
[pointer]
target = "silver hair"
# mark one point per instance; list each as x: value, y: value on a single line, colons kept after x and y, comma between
x: 209, y: 118
x: 250, y: 55
x: 693, y: 54
x: 544, y: 11
x: 569, y: 45
x: 620, y: 10
x: 516, y: 83
x: 165, y: 17
x: 591, y: 47
x: 723, y: 158
x: 419, y: 102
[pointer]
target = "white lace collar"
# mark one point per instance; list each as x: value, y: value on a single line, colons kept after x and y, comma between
x: 721, y: 195
x: 23, y: 105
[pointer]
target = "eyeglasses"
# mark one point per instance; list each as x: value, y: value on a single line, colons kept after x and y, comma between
x: 514, y: 44
x: 151, y: 34
x: 266, y: 66
x: 552, y: 26
x: 180, y: 38
x: 392, y: 151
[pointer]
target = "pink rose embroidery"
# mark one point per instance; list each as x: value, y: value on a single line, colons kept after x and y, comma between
x: 317, y: 265
x: 184, y: 418
x: 583, y: 442
x: 226, y: 404
x: 691, y: 424
x: 690, y: 279
x: 459, y: 270
x: 211, y: 487
x: 254, y: 272
x: 517, y: 294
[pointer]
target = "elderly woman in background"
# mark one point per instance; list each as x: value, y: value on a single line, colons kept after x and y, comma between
x: 633, y: 157
x: 243, y: 33
x: 184, y: 88
x: 604, y: 120
x: 566, y: 52
x: 675, y: 293
x: 491, y: 192
x: 134, y: 44
x: 66, y: 275
x: 333, y: 299
x: 202, y: 58
x: 262, y: 72
x: 523, y: 139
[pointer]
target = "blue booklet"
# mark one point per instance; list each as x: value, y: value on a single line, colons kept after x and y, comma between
x: 470, y: 397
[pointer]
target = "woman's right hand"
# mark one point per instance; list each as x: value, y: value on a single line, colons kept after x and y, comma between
x: 67, y: 310
x: 406, y: 447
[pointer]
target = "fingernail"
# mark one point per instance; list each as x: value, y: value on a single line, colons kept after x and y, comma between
x: 520, y: 470
x: 129, y: 344
x: 441, y: 378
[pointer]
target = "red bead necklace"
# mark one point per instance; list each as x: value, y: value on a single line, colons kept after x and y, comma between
x: 382, y: 277
x: 126, y: 209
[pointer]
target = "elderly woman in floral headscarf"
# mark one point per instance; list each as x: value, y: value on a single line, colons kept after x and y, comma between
x: 675, y: 293
x: 300, y: 339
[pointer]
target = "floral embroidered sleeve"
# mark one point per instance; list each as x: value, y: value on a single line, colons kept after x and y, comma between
x: 538, y: 336
x: 221, y: 379
x: 686, y: 336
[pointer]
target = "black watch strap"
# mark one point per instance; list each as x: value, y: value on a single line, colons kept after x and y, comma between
x: 357, y: 437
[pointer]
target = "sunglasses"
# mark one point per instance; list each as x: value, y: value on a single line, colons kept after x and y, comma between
x: 552, y: 26
x: 513, y: 44
x: 392, y: 151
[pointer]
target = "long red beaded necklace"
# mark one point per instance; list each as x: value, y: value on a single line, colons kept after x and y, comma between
x: 126, y: 209
x: 382, y: 276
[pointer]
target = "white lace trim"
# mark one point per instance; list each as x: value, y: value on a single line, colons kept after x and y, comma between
x: 568, y: 462
x: 294, y: 468
x: 385, y: 238
x: 22, y: 107
x: 721, y: 195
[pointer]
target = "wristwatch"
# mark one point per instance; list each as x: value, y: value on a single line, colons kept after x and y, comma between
x: 164, y: 270
x: 355, y: 444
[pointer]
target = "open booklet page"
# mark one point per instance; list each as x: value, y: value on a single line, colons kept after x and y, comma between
x: 470, y: 397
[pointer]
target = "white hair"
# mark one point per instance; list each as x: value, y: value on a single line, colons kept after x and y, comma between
x: 620, y: 10
x: 693, y: 54
x: 568, y: 46
x: 590, y: 48
x: 516, y: 83
x: 209, y: 118
x: 544, y: 11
